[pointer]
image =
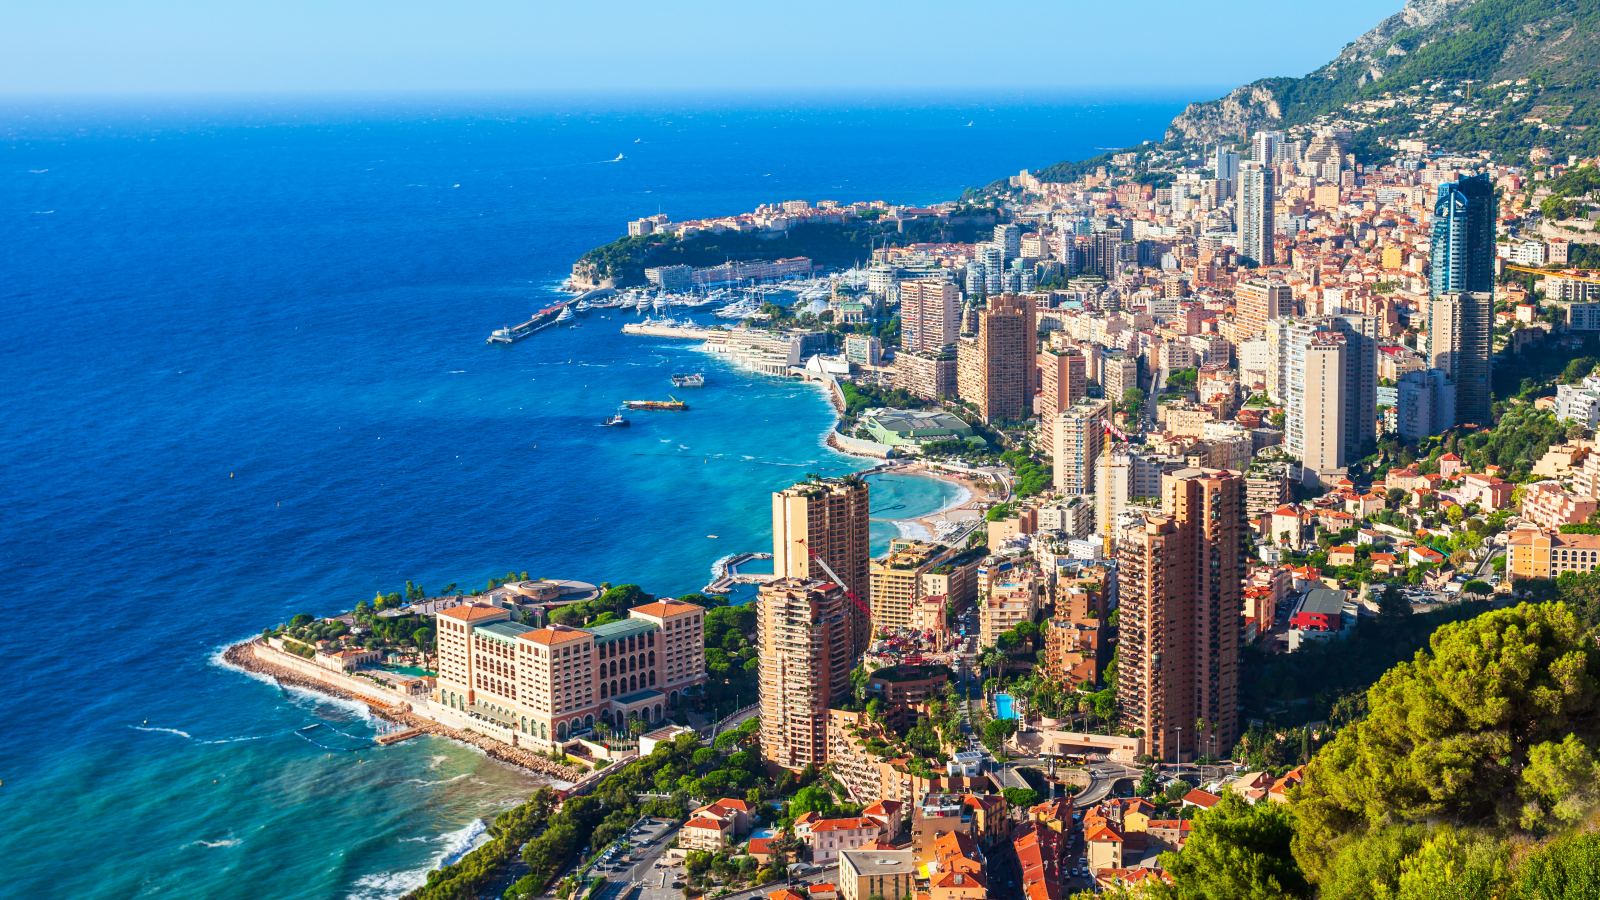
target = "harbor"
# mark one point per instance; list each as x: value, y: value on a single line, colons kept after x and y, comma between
x: 725, y: 574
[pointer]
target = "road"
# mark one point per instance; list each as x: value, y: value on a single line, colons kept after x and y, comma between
x: 649, y: 838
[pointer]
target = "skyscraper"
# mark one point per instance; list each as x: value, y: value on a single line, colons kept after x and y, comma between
x: 803, y: 630
x: 1009, y: 239
x: 1461, y: 279
x: 1460, y: 343
x: 1462, y: 256
x: 1225, y: 166
x: 930, y: 315
x: 1266, y: 147
x: 1257, y: 186
x: 996, y: 368
x: 1079, y: 438
x: 827, y: 518
x: 1181, y: 573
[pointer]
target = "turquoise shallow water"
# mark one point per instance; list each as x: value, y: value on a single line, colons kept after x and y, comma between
x: 246, y: 377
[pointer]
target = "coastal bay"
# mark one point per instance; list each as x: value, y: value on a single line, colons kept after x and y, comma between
x: 278, y: 400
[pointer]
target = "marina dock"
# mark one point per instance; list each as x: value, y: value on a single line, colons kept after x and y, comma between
x: 395, y: 737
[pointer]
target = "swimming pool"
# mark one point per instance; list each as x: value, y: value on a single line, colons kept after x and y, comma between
x: 1003, y: 707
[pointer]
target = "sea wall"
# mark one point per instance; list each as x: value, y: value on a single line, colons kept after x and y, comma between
x: 287, y: 669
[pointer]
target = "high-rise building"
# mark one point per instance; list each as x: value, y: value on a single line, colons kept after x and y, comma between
x: 1461, y: 279
x: 1062, y: 378
x: 1266, y: 147
x: 930, y: 314
x: 1315, y: 412
x: 1425, y: 404
x: 1255, y: 303
x: 1118, y: 372
x: 996, y: 367
x: 826, y: 518
x: 931, y: 375
x: 1079, y: 437
x: 1180, y: 576
x: 993, y: 258
x: 1225, y: 166
x: 803, y: 630
x: 1462, y: 257
x: 1126, y: 472
x: 1257, y: 186
x: 1009, y: 239
x: 1460, y: 343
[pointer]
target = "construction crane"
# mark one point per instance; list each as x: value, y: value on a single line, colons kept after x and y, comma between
x: 863, y: 608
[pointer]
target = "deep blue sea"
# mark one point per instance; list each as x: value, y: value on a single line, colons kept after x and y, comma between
x: 244, y: 375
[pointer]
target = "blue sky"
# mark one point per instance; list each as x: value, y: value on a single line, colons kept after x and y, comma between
x: 335, y: 46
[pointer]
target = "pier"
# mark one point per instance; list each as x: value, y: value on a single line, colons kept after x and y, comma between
x: 395, y: 737
x: 725, y: 573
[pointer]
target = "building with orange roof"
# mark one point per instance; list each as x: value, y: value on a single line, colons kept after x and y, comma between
x: 539, y: 687
x: 827, y: 838
x: 715, y: 825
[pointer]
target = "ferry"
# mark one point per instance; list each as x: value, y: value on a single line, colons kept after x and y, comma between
x: 540, y: 320
x: 672, y: 404
x: 687, y: 380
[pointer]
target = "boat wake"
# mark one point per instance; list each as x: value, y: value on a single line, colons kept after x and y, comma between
x: 156, y: 729
x: 226, y: 842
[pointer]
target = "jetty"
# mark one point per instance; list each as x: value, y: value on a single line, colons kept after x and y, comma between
x: 725, y: 573
x: 395, y: 737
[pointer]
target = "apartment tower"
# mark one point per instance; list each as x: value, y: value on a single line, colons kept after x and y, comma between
x: 1181, y: 572
x: 1062, y: 376
x: 1256, y: 224
x: 826, y: 518
x: 803, y: 629
x: 996, y: 367
x: 930, y: 315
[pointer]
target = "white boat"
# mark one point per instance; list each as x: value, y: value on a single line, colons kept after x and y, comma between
x: 566, y: 315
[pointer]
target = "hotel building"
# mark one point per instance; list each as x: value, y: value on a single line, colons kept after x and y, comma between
x: 540, y: 686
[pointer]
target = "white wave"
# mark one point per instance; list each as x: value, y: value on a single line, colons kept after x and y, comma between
x: 225, y: 842
x: 361, y: 710
x: 44, y: 212
x: 37, y: 171
x: 156, y: 728
x: 452, y: 847
x: 437, y: 760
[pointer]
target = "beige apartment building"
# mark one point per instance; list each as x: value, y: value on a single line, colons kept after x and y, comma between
x: 803, y: 629
x: 930, y: 315
x: 1009, y: 592
x: 1534, y: 553
x: 898, y: 583
x: 1078, y: 440
x: 996, y: 367
x: 543, y: 685
x: 1063, y: 375
x: 930, y: 375
x: 1181, y: 616
x: 828, y: 519
x: 1255, y: 303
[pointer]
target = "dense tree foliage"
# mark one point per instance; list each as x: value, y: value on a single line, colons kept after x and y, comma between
x: 1236, y: 850
x: 1476, y: 730
x: 826, y: 244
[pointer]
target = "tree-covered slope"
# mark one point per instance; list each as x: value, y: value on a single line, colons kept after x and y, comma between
x: 1439, y: 45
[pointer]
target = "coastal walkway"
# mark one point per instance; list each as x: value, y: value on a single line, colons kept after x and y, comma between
x: 725, y: 573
